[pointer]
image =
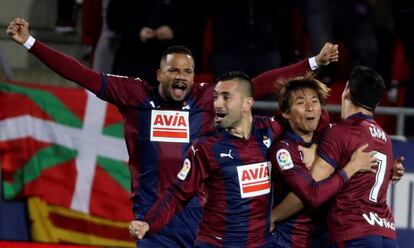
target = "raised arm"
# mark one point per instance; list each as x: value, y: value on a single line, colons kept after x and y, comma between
x: 63, y: 65
x: 271, y: 81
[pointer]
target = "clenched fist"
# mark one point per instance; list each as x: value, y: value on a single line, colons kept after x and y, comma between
x: 18, y: 30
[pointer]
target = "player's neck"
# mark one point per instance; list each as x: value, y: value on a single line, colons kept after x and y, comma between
x: 353, y: 109
x: 307, y: 137
x: 244, y: 128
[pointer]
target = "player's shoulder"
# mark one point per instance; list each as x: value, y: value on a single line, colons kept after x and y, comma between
x: 120, y: 77
x: 339, y: 128
x: 202, y: 93
x: 202, y: 85
x: 262, y: 118
x: 266, y: 121
x: 283, y: 154
x: 282, y: 143
x: 129, y: 80
x: 202, y: 88
x: 208, y: 138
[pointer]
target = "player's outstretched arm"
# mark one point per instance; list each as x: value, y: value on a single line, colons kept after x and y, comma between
x: 65, y: 66
x: 272, y: 81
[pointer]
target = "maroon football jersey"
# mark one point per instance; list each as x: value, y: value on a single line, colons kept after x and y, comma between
x: 236, y: 173
x: 360, y: 209
x: 291, y: 175
x: 157, y: 132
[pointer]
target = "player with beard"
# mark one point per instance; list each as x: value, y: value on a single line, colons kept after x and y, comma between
x: 233, y: 165
x: 161, y: 122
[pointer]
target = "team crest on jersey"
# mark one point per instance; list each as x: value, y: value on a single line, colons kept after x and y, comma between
x: 182, y: 175
x: 266, y: 141
x: 170, y: 126
x: 254, y: 179
x: 284, y: 160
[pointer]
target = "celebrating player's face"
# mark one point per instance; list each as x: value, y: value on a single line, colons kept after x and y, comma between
x: 228, y: 104
x: 176, y: 76
x: 305, y: 111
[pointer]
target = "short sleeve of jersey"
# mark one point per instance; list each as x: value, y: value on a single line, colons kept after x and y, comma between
x: 331, y: 144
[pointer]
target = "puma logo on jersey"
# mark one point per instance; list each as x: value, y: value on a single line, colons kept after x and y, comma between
x: 170, y: 126
x: 223, y: 155
x: 254, y: 179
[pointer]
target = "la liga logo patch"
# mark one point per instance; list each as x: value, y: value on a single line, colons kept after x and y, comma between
x: 184, y: 170
x: 284, y: 159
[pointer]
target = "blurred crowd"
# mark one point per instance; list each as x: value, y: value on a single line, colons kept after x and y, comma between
x: 127, y: 37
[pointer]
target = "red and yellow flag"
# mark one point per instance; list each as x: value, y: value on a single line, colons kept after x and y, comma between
x: 54, y: 224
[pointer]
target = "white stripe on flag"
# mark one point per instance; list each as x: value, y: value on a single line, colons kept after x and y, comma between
x: 88, y: 141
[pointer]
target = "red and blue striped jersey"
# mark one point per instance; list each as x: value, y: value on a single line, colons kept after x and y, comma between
x: 236, y: 174
x: 157, y: 133
x: 360, y: 209
x: 291, y: 175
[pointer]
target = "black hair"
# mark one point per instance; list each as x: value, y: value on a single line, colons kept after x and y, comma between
x: 241, y: 77
x: 366, y: 87
x: 176, y: 49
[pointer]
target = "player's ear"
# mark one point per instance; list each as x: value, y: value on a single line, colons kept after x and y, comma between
x: 159, y: 75
x: 248, y: 103
x: 347, y: 93
x: 286, y: 116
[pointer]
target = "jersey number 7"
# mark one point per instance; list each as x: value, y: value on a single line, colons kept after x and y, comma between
x: 379, y: 177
